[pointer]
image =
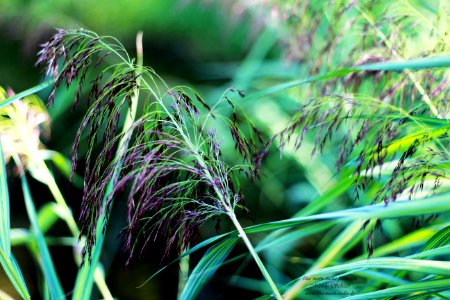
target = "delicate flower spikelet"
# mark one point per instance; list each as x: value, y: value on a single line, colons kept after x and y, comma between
x: 168, y: 162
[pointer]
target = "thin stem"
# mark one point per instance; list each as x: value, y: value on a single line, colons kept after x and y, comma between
x: 255, y: 255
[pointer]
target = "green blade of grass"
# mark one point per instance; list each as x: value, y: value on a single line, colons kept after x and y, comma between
x: 206, y: 268
x: 435, y: 204
x: 48, y: 214
x: 7, y: 259
x: 412, y: 64
x: 54, y: 286
x: 442, y: 237
x: 412, y: 288
x: 334, y: 251
x: 25, y: 93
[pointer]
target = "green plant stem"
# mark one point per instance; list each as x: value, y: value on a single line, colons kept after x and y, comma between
x: 255, y: 255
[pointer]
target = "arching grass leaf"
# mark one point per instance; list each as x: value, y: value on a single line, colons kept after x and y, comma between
x: 7, y: 259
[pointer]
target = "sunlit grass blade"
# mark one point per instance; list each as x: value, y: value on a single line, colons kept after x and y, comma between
x: 420, y: 289
x: 430, y: 62
x: 25, y: 93
x: 206, y: 268
x: 334, y: 251
x: 413, y: 64
x: 54, y: 286
x: 7, y: 259
x: 439, y: 239
x: 48, y: 214
x: 63, y: 164
x: 432, y: 205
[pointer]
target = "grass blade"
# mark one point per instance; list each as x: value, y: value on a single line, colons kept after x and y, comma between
x: 206, y: 268
x: 54, y: 286
x: 25, y: 93
x: 412, y: 64
x: 441, y: 238
x: 7, y: 259
x: 404, y: 208
x: 425, y: 286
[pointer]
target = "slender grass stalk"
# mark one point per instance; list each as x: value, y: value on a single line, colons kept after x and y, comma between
x: 255, y: 256
x: 7, y: 259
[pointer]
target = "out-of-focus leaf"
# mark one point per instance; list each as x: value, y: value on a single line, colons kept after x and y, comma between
x: 7, y: 259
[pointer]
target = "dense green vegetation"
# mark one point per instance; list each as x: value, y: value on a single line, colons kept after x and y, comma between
x: 285, y: 150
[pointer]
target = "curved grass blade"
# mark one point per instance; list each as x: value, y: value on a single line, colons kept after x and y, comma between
x: 424, y: 288
x: 206, y: 268
x: 441, y: 238
x: 7, y: 259
x: 404, y: 208
x: 54, y: 286
x: 334, y: 251
x: 412, y: 64
x: 25, y: 93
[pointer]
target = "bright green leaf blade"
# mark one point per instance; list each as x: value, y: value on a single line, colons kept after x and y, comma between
x: 55, y: 288
x: 206, y: 268
x: 432, y: 205
x: 25, y: 93
x: 4, y: 213
x: 424, y: 287
x: 442, y: 237
x: 48, y: 214
x: 411, y: 64
x: 7, y: 259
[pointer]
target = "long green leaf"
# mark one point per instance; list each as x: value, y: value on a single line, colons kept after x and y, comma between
x: 404, y: 208
x: 412, y: 64
x: 206, y: 268
x: 54, y: 286
x: 442, y: 237
x: 7, y: 259
x: 25, y: 93
x: 424, y: 287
